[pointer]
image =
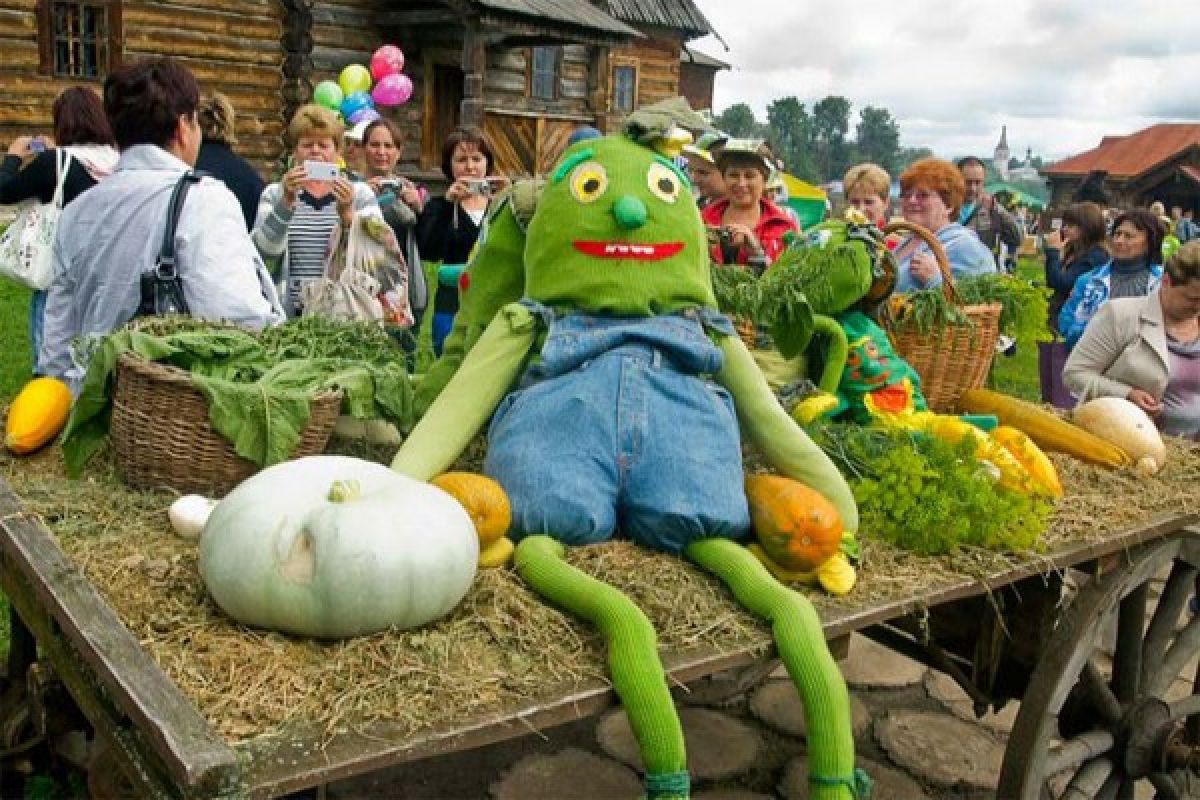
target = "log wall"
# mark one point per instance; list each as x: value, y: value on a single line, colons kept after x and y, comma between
x: 230, y: 45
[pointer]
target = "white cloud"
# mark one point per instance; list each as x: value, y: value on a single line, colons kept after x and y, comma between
x: 1059, y: 73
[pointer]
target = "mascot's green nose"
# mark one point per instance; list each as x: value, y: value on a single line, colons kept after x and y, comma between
x: 630, y: 212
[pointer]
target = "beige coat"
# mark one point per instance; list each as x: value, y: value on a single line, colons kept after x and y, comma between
x: 1123, y: 347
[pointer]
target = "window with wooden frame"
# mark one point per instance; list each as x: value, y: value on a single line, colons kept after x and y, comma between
x: 80, y: 38
x: 624, y: 87
x: 543, y: 72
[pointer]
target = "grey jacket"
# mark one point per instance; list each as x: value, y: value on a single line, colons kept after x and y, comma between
x: 112, y: 233
x: 1124, y: 346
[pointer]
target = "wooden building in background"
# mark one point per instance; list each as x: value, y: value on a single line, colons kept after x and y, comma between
x: 527, y: 71
x: 1161, y: 163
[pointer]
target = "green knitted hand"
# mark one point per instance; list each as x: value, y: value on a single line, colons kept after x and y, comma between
x: 637, y: 674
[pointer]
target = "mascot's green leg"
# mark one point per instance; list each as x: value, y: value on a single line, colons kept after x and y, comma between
x: 801, y: 643
x: 637, y: 674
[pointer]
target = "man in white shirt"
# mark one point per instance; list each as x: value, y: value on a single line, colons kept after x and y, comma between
x: 112, y: 233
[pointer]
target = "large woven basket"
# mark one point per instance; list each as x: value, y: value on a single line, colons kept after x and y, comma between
x: 955, y: 358
x: 162, y: 437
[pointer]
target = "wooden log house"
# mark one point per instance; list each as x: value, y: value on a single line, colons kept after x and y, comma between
x: 527, y: 71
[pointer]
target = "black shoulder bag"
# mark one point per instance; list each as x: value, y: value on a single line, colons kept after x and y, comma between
x: 162, y: 288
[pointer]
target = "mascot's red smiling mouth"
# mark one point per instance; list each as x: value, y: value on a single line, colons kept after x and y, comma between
x: 630, y: 250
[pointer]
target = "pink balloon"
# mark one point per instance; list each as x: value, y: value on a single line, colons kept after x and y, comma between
x: 392, y: 90
x: 387, y: 60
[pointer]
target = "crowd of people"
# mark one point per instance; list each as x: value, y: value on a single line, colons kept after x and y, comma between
x: 1125, y: 286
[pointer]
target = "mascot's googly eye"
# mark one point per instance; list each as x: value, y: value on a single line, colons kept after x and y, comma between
x: 589, y: 181
x: 663, y: 183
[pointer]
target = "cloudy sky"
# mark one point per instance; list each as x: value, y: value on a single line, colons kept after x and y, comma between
x: 1060, y: 73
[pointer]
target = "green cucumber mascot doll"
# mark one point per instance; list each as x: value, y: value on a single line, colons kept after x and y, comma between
x: 615, y: 391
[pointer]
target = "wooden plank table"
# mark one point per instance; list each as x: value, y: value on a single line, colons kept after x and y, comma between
x: 167, y: 747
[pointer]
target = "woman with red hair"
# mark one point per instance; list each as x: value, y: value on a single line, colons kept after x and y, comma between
x: 931, y: 191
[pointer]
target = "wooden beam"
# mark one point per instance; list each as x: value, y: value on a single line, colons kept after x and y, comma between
x: 85, y: 638
x: 474, y: 65
x: 415, y: 19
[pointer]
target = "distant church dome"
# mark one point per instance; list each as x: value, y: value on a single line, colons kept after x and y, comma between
x: 1001, y: 157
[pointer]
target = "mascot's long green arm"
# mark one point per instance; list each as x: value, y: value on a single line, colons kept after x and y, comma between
x: 836, y: 350
x: 781, y: 440
x: 469, y: 398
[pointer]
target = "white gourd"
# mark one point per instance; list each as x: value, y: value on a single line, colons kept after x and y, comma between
x: 1120, y: 422
x: 331, y: 546
x: 189, y: 513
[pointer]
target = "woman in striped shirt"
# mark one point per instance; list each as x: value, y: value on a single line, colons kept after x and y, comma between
x: 297, y: 215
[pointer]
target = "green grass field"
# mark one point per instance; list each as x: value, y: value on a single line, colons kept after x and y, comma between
x: 14, y: 332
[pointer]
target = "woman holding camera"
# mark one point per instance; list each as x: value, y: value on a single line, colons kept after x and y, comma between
x: 297, y: 215
x: 448, y: 226
x: 749, y: 227
x: 401, y: 202
x: 30, y: 169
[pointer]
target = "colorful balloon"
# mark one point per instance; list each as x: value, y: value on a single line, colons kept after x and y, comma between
x: 354, y: 78
x: 329, y: 95
x: 358, y: 101
x: 392, y: 90
x: 387, y: 60
x: 363, y: 115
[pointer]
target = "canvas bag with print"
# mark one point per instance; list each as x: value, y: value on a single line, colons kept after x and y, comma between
x: 27, y: 247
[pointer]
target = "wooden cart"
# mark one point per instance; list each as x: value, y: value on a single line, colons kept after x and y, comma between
x: 1044, y: 632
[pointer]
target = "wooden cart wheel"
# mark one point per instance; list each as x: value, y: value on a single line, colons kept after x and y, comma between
x: 1101, y: 727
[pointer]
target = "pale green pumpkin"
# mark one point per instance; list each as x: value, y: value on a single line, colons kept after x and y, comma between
x: 331, y: 546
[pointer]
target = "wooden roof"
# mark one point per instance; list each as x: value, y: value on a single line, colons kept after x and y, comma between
x: 691, y: 56
x: 573, y: 13
x: 680, y: 15
x: 1129, y: 156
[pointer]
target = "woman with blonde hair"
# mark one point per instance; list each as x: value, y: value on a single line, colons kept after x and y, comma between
x: 867, y: 188
x: 218, y: 126
x: 297, y: 216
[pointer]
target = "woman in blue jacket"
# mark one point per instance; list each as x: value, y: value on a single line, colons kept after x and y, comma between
x: 1133, y: 271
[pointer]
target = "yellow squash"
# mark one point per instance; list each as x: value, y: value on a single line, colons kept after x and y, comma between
x: 37, y: 414
x: 1040, y: 469
x: 1048, y: 431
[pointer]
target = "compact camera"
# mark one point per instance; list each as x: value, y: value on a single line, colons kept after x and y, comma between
x: 482, y: 188
x: 320, y: 170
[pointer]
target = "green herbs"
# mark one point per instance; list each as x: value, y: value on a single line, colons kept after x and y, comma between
x: 924, y: 495
x: 1023, y: 306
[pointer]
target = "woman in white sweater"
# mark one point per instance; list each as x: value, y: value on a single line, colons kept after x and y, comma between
x: 298, y: 214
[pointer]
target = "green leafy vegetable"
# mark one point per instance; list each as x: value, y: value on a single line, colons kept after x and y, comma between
x: 925, y: 495
x: 259, y: 387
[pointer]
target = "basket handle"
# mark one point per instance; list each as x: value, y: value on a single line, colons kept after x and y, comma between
x: 939, y: 254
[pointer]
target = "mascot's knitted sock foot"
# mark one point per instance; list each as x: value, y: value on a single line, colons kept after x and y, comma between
x: 801, y: 643
x: 637, y: 674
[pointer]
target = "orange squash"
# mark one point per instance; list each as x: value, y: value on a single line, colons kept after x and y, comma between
x: 483, y: 498
x: 797, y: 527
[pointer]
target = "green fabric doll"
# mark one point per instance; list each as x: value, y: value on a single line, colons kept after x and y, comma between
x: 598, y: 385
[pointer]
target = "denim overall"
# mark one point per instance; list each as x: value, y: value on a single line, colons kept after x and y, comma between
x: 618, y: 426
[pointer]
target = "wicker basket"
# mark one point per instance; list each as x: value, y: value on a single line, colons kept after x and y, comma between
x: 162, y: 437
x: 955, y: 358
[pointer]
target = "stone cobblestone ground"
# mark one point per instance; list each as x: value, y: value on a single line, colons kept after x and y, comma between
x: 914, y: 731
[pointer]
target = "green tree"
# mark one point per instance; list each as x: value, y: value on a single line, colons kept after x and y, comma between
x: 790, y: 129
x: 877, y: 138
x: 908, y: 155
x: 738, y: 120
x: 830, y: 123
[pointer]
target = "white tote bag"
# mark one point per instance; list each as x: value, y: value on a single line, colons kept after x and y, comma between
x: 27, y: 247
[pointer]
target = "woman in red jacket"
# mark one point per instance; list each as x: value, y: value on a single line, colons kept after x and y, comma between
x: 745, y: 227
